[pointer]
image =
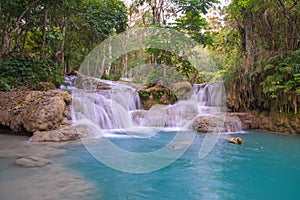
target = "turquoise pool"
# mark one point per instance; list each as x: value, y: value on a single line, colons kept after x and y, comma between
x: 266, y: 166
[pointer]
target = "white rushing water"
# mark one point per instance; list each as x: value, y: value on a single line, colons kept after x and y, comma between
x: 120, y: 107
x: 110, y: 109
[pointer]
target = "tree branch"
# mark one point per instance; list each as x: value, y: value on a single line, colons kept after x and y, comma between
x: 18, y: 22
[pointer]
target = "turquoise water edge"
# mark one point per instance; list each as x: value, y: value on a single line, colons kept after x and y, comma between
x: 266, y: 166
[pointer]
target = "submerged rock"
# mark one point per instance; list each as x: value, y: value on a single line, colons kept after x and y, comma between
x: 66, y: 133
x: 32, y: 161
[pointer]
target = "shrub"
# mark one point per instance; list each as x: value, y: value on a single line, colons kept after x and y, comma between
x: 21, y: 70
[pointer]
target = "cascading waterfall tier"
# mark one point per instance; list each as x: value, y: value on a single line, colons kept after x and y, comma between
x: 119, y: 107
x: 110, y: 109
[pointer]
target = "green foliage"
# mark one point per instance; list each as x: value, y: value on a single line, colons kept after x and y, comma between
x: 282, y: 74
x: 164, y: 75
x: 144, y: 94
x: 72, y: 27
x: 225, y: 52
x: 113, y: 77
x: 258, y: 53
x: 23, y: 70
x: 90, y: 23
x: 104, y: 16
x: 193, y: 24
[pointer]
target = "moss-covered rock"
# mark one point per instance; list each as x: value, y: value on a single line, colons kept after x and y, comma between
x: 159, y: 94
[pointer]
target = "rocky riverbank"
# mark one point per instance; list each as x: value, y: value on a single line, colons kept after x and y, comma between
x: 33, y: 111
x: 273, y: 121
x: 46, y: 116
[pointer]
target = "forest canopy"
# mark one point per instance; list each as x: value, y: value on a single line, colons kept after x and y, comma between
x: 40, y: 35
x: 255, y: 43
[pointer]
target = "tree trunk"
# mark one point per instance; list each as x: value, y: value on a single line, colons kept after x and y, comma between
x: 24, y: 42
x: 6, y: 36
x: 154, y: 12
x: 63, y: 45
x: 103, y: 71
x: 42, y: 54
x: 249, y: 41
x: 109, y: 56
x: 125, y: 64
x: 4, y: 45
x: 125, y: 56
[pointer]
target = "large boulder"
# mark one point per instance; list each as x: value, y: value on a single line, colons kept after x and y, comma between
x: 33, y: 111
x: 159, y: 94
x: 182, y: 90
x: 156, y: 94
x: 43, y: 115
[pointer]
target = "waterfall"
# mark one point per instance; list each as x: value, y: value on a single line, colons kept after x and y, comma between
x: 110, y: 109
x: 207, y: 100
x: 68, y: 82
x: 120, y: 107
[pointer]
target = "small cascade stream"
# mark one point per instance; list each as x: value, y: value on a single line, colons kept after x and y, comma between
x: 120, y: 107
x: 68, y: 83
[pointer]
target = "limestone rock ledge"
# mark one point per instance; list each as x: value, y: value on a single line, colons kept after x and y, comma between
x: 287, y: 123
x: 215, y: 123
x: 33, y: 111
x: 248, y: 120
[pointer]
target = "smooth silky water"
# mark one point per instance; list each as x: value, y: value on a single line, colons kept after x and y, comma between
x: 266, y: 166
